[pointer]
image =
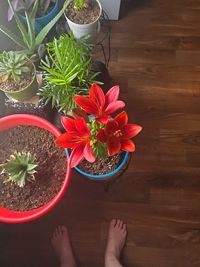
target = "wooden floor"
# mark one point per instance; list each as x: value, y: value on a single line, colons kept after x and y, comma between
x: 156, y: 61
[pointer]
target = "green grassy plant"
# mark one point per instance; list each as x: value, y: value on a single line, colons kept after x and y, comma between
x: 68, y: 68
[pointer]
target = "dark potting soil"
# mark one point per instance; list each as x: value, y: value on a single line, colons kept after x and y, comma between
x: 11, y: 85
x: 51, y: 168
x: 86, y: 15
x: 102, y: 166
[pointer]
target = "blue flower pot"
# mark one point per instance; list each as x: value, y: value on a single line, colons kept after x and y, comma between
x: 102, y: 176
x: 44, y: 20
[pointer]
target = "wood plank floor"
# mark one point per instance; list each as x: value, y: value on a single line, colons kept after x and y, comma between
x: 156, y: 61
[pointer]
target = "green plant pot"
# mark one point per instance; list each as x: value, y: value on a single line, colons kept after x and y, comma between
x: 25, y: 93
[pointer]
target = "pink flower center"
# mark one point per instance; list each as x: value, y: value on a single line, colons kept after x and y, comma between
x: 117, y: 133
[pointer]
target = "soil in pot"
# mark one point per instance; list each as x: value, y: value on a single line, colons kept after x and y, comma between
x: 102, y: 166
x: 51, y: 168
x: 86, y: 15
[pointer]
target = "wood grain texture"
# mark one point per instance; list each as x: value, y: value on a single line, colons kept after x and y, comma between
x: 156, y: 61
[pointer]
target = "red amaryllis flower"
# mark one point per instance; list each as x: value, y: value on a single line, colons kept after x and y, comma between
x: 78, y: 138
x: 117, y: 134
x: 100, y: 105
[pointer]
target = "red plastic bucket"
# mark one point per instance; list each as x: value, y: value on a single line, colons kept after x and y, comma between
x: 10, y: 216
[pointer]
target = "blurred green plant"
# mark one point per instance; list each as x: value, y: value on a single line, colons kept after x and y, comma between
x: 68, y: 67
x: 79, y: 4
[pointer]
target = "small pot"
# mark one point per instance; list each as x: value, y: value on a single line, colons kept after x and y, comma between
x: 103, y: 176
x: 44, y: 20
x: 80, y: 30
x: 10, y: 216
x: 27, y: 92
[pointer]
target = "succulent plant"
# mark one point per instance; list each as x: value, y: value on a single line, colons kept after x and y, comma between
x: 20, y: 167
x: 13, y: 66
x: 79, y: 4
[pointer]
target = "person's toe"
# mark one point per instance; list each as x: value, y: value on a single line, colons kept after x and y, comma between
x: 118, y: 224
x: 124, y: 227
x: 60, y: 230
x: 121, y: 224
x: 113, y: 223
x: 64, y: 229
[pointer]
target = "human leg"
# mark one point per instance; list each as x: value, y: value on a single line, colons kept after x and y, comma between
x: 115, y: 243
x: 62, y: 246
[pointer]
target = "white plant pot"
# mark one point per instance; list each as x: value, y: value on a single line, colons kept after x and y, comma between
x: 80, y: 30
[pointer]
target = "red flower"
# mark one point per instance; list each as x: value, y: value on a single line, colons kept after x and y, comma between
x: 117, y: 134
x: 100, y: 105
x: 78, y: 138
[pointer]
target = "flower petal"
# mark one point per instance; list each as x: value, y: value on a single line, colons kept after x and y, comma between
x: 76, y: 156
x: 97, y: 95
x: 114, y: 146
x: 86, y: 104
x: 103, y: 120
x: 114, y: 106
x: 112, y: 95
x: 122, y: 118
x: 111, y: 127
x: 101, y: 136
x: 68, y: 140
x: 68, y: 124
x: 82, y: 127
x: 131, y: 130
x: 88, y: 153
x: 127, y: 145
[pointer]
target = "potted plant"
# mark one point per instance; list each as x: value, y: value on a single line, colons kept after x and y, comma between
x: 19, y: 81
x: 103, y: 142
x: 32, y: 180
x: 46, y: 11
x: 29, y: 42
x: 68, y: 67
x: 83, y: 17
x: 17, y: 76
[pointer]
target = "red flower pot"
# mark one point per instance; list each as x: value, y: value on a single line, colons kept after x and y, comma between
x: 9, y: 216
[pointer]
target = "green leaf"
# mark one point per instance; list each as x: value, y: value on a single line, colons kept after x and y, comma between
x: 43, y: 33
x: 12, y: 36
x: 20, y: 25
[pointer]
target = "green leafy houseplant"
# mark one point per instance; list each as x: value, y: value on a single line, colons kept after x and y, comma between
x: 29, y: 42
x: 20, y: 167
x: 13, y: 66
x: 69, y: 73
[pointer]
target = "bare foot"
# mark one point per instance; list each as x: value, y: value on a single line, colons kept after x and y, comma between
x: 62, y: 246
x: 116, y: 241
